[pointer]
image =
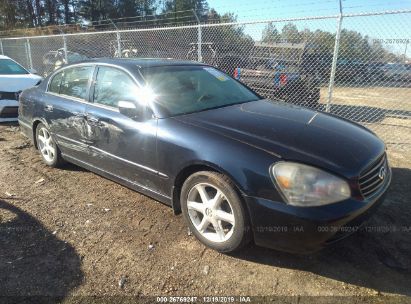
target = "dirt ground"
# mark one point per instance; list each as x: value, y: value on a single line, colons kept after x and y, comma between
x: 68, y: 232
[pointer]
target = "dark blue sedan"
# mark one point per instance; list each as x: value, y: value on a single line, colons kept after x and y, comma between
x: 239, y: 167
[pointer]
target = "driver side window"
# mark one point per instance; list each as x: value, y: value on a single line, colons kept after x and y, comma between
x: 113, y: 85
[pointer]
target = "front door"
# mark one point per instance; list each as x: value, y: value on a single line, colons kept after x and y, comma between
x: 120, y: 145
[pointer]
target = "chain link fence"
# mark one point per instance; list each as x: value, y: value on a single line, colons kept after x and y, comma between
x: 354, y: 66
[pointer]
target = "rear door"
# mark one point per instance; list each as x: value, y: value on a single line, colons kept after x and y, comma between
x: 120, y: 145
x: 65, y: 107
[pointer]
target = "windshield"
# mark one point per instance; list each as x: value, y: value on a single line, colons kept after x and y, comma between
x: 186, y: 89
x: 9, y: 67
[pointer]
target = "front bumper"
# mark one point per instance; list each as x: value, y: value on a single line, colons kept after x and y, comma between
x: 307, y: 229
x: 8, y: 110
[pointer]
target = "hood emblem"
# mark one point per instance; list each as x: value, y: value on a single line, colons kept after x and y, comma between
x: 382, y: 173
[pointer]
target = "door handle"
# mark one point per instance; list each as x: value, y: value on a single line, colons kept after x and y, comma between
x: 48, y: 108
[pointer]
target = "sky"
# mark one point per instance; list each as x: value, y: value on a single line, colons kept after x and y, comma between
x: 273, y: 9
x: 393, y: 30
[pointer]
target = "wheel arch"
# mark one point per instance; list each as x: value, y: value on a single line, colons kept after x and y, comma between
x: 190, y: 169
x: 36, y: 122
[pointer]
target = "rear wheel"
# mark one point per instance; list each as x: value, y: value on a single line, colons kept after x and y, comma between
x: 48, y: 149
x: 214, y: 212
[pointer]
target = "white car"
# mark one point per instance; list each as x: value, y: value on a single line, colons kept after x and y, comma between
x: 13, y: 79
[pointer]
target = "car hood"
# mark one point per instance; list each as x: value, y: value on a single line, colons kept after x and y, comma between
x: 16, y: 83
x: 294, y: 133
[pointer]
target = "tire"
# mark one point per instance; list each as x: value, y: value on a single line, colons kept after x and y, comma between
x: 228, y: 227
x: 49, y: 151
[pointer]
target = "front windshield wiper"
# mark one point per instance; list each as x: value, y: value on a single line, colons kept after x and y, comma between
x: 205, y: 97
x: 213, y: 108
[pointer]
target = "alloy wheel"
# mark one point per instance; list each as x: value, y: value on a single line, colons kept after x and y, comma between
x: 46, y: 145
x: 211, y: 212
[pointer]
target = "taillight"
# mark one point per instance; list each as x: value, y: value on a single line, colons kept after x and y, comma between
x: 237, y: 73
x: 283, y: 79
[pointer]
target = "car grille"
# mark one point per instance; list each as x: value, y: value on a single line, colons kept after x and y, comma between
x: 9, y: 112
x: 9, y: 95
x: 374, y: 177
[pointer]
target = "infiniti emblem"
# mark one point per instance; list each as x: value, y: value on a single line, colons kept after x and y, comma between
x: 208, y: 212
x: 382, y: 173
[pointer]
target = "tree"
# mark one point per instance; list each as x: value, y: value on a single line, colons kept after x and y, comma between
x: 67, y: 13
x: 95, y: 10
x: 39, y: 10
x: 184, y: 5
x: 131, y: 8
x: 354, y: 46
x: 50, y: 8
x: 179, y: 9
x: 8, y: 14
x: 270, y: 34
x: 290, y: 33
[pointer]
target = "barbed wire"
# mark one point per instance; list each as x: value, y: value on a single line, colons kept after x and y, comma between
x: 143, y: 16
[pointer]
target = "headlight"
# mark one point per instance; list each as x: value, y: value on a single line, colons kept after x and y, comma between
x: 306, y: 186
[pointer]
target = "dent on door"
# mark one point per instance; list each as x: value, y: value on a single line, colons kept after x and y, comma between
x: 67, y: 123
x: 123, y: 147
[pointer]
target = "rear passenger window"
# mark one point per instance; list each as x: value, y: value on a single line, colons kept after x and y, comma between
x: 55, y: 82
x: 75, y: 81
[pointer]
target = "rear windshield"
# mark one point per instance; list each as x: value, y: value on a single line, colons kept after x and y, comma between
x: 9, y: 67
x: 186, y: 89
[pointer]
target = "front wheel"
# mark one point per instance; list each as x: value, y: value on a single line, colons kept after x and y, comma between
x: 48, y: 149
x: 214, y: 211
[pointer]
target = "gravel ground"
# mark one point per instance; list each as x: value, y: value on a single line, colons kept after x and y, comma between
x: 68, y: 232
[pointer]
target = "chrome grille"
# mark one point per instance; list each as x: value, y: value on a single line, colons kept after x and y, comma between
x: 373, y: 178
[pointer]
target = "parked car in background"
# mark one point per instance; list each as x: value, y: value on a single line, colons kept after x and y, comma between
x: 54, y: 60
x: 397, y: 72
x: 353, y: 72
x: 276, y: 70
x: 238, y: 166
x: 375, y: 72
x: 14, y: 78
x: 276, y: 79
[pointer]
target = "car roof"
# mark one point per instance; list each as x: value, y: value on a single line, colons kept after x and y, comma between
x: 143, y: 62
x: 4, y: 57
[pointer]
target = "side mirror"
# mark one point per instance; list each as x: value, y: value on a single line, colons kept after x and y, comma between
x: 33, y: 71
x: 131, y: 110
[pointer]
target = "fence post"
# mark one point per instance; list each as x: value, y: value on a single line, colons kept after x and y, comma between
x: 1, y: 46
x: 64, y: 44
x: 199, y: 39
x: 118, y: 36
x: 28, y: 48
x: 118, y: 44
x: 65, y: 48
x: 334, y: 62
